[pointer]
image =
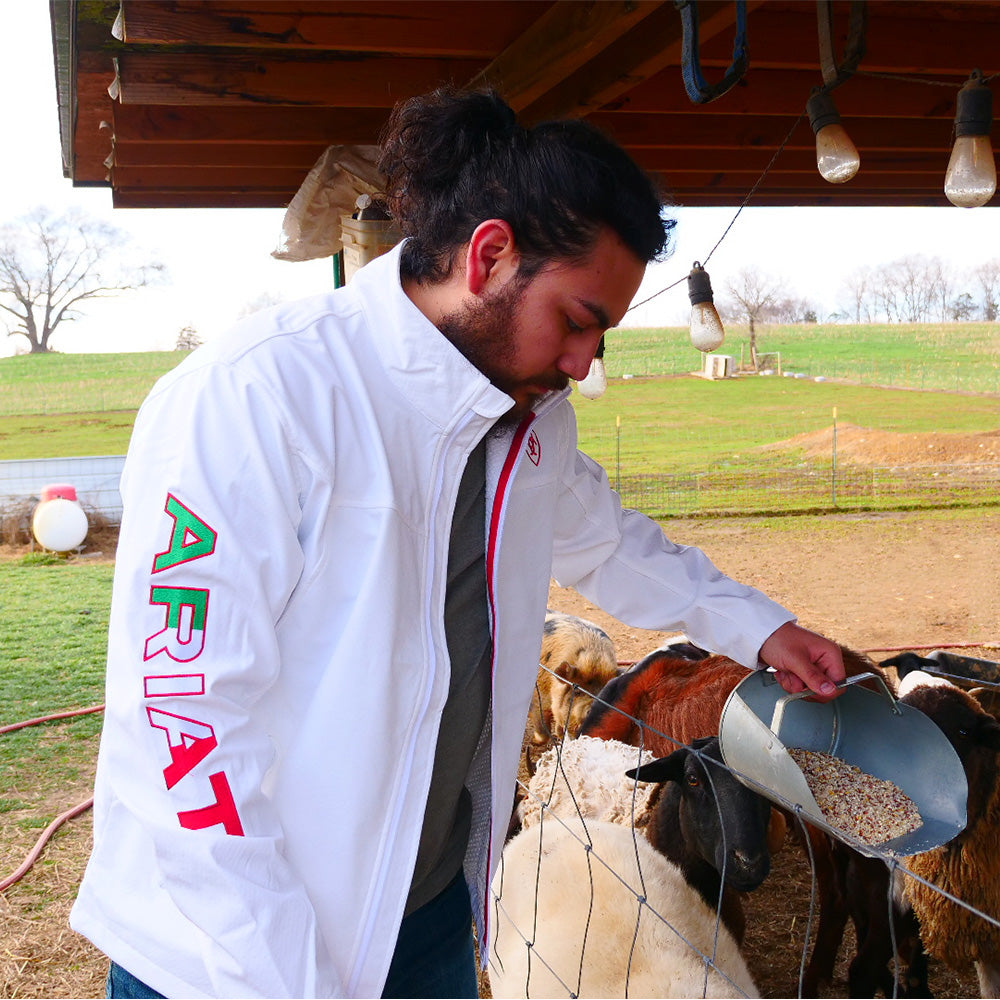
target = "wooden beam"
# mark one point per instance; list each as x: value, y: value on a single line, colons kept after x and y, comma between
x: 901, y: 38
x: 562, y: 40
x: 249, y: 178
x: 643, y: 52
x: 747, y: 131
x: 785, y: 92
x: 249, y: 124
x: 442, y: 28
x: 130, y: 153
x: 331, y: 80
x: 91, y: 142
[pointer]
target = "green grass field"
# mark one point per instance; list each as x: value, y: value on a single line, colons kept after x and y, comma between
x: 672, y: 445
x: 945, y: 356
x: 52, y: 647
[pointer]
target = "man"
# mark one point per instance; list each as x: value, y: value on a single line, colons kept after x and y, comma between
x: 340, y: 526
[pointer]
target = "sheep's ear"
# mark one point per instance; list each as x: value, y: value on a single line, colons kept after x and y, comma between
x: 906, y: 662
x: 665, y: 769
x: 989, y: 735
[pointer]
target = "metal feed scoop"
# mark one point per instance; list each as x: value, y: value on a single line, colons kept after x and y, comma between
x: 870, y: 729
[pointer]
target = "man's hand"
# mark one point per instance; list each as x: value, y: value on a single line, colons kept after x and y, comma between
x: 803, y: 659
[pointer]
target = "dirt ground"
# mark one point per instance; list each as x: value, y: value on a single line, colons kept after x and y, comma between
x: 873, y: 582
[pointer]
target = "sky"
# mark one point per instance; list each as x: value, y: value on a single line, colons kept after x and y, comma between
x: 219, y: 260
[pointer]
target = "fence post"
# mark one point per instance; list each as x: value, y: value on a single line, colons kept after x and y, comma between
x: 833, y: 477
x: 618, y: 453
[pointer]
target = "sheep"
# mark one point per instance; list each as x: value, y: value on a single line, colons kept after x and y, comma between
x: 967, y: 866
x: 922, y: 920
x: 698, y: 815
x: 577, y: 660
x: 588, y: 774
x: 663, y: 699
x: 590, y: 935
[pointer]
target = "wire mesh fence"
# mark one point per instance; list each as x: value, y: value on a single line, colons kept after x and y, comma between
x: 766, y: 472
x: 565, y: 877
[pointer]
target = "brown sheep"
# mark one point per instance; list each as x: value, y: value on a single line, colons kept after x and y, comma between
x: 679, y: 700
x: 577, y: 660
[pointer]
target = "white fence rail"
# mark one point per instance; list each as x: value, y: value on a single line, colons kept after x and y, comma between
x: 96, y: 478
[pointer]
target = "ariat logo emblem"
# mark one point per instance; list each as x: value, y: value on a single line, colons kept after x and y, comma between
x: 533, y: 448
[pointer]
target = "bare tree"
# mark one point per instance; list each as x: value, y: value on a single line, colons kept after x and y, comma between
x: 857, y: 292
x: 187, y: 339
x: 754, y: 293
x: 988, y: 276
x: 51, y: 265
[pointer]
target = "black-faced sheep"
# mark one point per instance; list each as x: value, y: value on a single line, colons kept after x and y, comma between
x: 578, y: 903
x: 968, y: 866
x: 577, y: 660
x: 964, y: 866
x: 663, y: 699
x: 697, y: 813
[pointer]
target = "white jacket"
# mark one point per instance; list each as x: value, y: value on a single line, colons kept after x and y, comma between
x: 277, y: 662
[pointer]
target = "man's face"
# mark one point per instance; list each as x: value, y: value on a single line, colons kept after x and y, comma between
x: 530, y: 337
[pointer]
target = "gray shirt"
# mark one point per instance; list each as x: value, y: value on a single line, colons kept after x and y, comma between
x: 448, y: 815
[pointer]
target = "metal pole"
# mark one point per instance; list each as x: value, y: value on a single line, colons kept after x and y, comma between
x: 833, y: 477
x: 618, y: 453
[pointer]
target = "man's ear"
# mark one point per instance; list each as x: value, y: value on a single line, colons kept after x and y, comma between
x: 492, y: 258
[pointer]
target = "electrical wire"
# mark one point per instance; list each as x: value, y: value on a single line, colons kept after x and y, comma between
x: 749, y: 195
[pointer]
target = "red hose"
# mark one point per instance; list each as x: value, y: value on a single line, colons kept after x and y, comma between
x: 34, y: 853
x: 48, y: 718
x: 65, y: 817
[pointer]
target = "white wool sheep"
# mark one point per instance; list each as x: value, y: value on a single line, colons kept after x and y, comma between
x: 585, y: 936
x: 595, y: 771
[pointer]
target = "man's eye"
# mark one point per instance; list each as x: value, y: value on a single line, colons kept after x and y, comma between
x: 573, y: 327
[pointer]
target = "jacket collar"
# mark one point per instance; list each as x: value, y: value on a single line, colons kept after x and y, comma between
x: 426, y: 367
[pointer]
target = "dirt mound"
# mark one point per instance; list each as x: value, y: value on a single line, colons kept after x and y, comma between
x: 870, y: 446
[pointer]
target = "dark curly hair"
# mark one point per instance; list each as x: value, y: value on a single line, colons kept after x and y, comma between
x: 453, y: 158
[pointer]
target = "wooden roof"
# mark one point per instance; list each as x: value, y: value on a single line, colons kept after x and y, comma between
x: 174, y: 103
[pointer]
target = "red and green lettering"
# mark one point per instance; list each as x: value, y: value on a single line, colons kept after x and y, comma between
x: 191, y: 538
x: 183, y: 638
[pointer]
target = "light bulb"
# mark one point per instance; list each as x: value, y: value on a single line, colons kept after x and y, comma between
x: 596, y: 382
x: 837, y: 157
x: 706, y: 328
x: 971, y: 178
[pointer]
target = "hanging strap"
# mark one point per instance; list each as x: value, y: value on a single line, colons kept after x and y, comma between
x: 697, y: 88
x: 835, y: 73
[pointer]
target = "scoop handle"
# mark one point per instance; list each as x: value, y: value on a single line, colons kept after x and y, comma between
x: 779, y: 705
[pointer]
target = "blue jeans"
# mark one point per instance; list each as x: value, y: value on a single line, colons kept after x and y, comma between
x: 123, y: 984
x: 434, y: 956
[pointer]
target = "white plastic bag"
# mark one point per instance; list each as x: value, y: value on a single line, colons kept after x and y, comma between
x: 311, y: 227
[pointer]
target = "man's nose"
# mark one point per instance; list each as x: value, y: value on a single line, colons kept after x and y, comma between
x: 577, y: 358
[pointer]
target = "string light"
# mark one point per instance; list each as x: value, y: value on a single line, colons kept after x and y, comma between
x: 971, y: 178
x: 706, y: 328
x: 596, y: 382
x: 836, y: 156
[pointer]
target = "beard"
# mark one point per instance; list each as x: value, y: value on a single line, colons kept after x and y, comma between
x: 485, y: 331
